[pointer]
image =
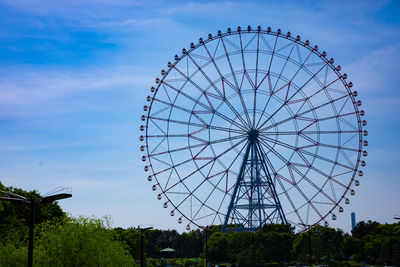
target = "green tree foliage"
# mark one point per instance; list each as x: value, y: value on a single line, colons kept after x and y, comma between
x: 131, y: 237
x: 71, y: 242
x: 325, y: 241
x: 382, y: 246
x: 217, y: 247
x: 274, y: 246
x: 187, y: 245
x: 351, y: 247
x: 63, y: 241
x: 363, y: 229
x: 80, y: 242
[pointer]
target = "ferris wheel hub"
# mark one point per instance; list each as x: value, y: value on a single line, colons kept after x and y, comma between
x: 253, y: 134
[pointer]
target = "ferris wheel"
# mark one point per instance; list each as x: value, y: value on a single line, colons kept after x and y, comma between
x: 252, y: 127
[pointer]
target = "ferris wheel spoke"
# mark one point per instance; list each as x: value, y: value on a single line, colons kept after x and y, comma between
x: 304, y: 112
x: 198, y: 145
x: 158, y: 145
x: 284, y: 66
x: 303, y: 176
x: 172, y: 105
x: 269, y: 73
x: 218, y: 210
x: 349, y: 139
x: 225, y: 99
x: 152, y: 118
x: 229, y: 61
x: 207, y: 107
x: 208, y: 126
x: 210, y: 107
x: 221, y: 96
x: 235, y: 79
x: 255, y: 81
x: 191, y: 192
x: 201, y: 167
x: 347, y: 123
x: 301, y: 193
x: 287, y: 93
x: 284, y: 190
x: 347, y: 158
x: 297, y: 149
x: 241, y: 51
x: 313, y: 121
x: 272, y: 54
x: 307, y: 132
x: 219, y: 181
x: 339, y: 147
x: 162, y: 161
x: 159, y: 111
x: 295, y: 93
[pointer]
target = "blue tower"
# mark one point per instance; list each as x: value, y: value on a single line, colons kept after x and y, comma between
x: 254, y: 201
x: 353, y: 220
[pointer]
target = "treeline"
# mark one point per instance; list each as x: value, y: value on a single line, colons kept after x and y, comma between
x: 64, y: 241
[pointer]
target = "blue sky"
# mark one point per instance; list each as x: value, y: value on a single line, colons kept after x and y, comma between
x: 74, y: 76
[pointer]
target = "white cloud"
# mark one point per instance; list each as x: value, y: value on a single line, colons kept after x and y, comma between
x: 377, y: 69
x: 32, y: 88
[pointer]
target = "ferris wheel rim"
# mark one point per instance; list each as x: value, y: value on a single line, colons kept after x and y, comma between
x: 329, y: 63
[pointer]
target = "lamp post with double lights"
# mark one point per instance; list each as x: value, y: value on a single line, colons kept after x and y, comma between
x: 141, y: 231
x: 32, y: 203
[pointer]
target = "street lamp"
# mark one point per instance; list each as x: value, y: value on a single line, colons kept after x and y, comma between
x: 15, y: 198
x: 141, y: 230
x: 206, y: 235
x: 309, y: 241
x: 198, y: 233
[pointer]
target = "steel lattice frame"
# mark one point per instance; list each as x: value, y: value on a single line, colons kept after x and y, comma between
x: 250, y: 127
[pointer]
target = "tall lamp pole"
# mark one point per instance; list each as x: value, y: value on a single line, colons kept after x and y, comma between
x: 15, y: 198
x: 206, y: 236
x: 141, y: 230
x: 309, y: 242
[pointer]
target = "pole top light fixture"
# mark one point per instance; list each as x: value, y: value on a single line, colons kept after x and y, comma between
x: 17, y: 199
x: 52, y: 198
x: 12, y: 197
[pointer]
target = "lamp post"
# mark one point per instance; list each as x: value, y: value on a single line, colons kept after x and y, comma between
x: 141, y: 230
x: 206, y: 232
x: 15, y: 198
x: 198, y: 233
x: 309, y: 242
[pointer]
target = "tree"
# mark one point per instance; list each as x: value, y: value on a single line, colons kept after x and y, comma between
x: 381, y: 246
x: 80, y: 242
x: 362, y: 229
x: 325, y: 243
x: 217, y: 247
x: 351, y: 247
x: 131, y: 237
